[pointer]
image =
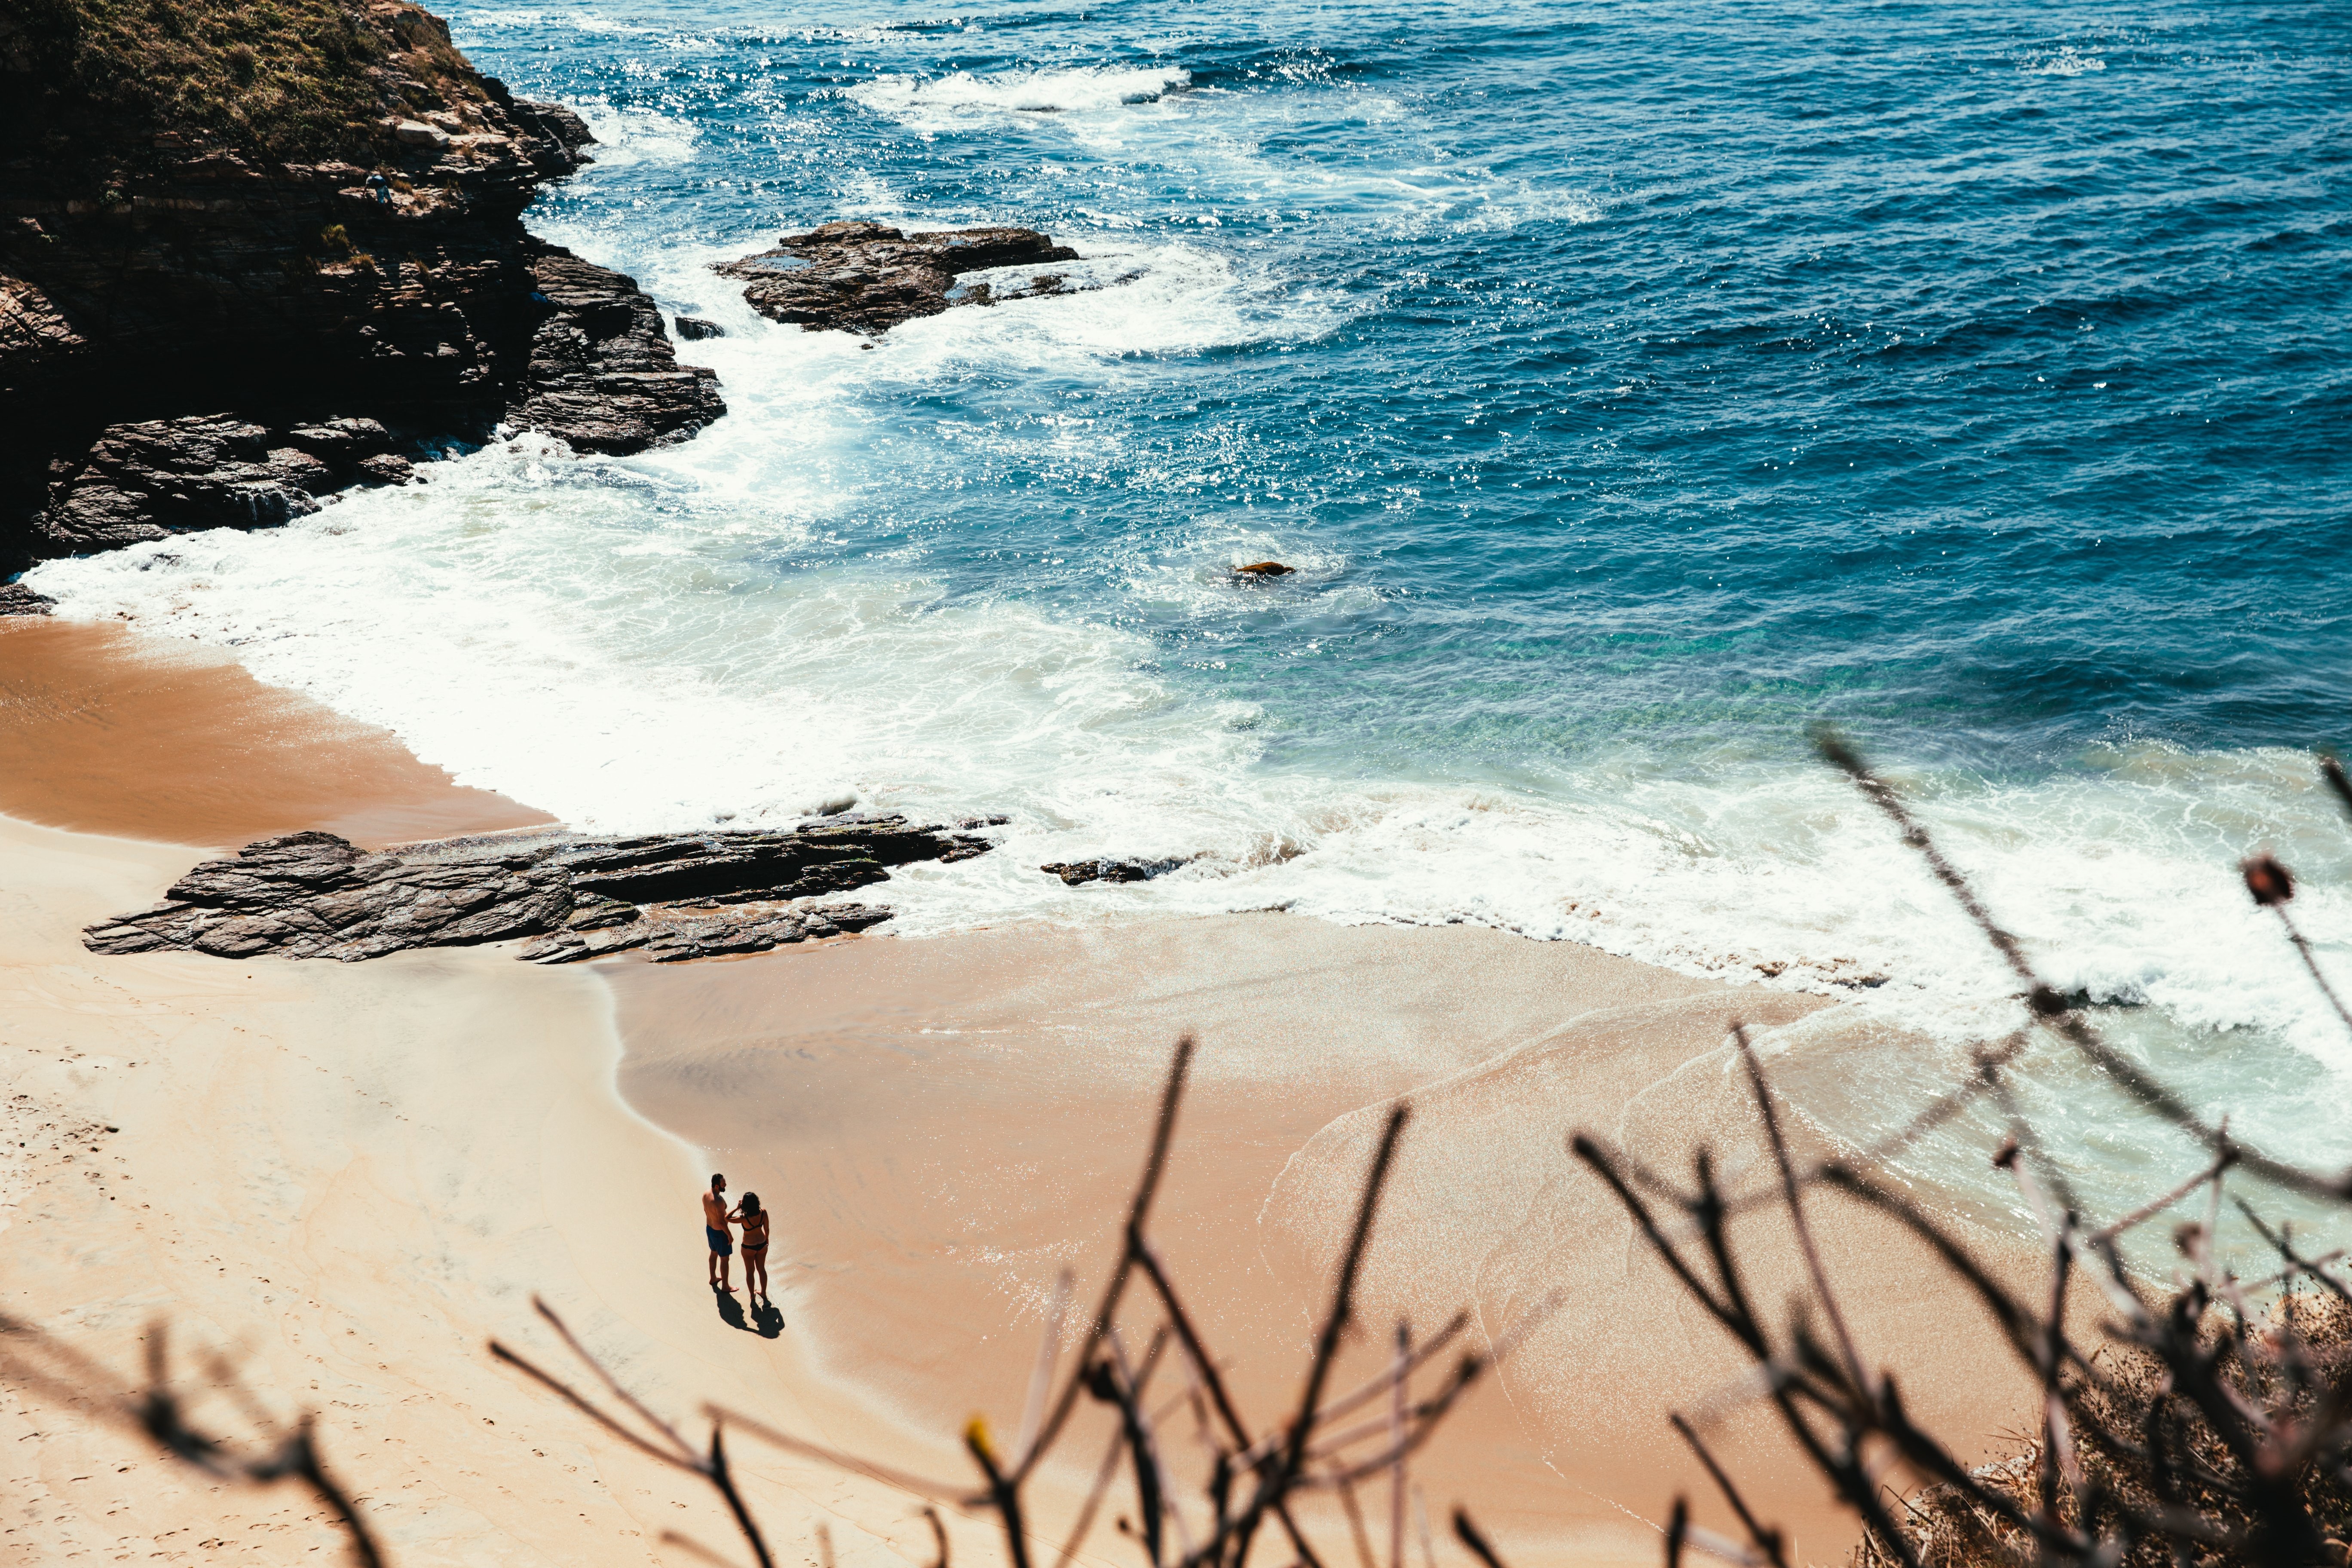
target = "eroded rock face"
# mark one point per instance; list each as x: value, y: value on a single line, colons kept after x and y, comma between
x: 314, y: 894
x: 866, y: 278
x: 170, y: 476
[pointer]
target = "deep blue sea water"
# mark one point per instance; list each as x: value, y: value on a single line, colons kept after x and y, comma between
x: 1632, y: 384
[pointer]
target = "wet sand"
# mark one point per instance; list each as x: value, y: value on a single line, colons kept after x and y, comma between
x: 943, y: 1125
x: 106, y: 732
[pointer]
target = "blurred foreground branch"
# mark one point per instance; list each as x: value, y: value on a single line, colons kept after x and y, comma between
x: 2192, y: 1426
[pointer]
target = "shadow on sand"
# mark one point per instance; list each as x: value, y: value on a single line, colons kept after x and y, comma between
x: 766, y: 1320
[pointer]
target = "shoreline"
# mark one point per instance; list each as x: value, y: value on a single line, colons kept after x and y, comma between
x: 381, y: 1163
x: 175, y: 742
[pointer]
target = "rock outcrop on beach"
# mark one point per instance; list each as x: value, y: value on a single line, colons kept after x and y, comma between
x: 248, y: 258
x: 679, y: 895
x: 866, y: 277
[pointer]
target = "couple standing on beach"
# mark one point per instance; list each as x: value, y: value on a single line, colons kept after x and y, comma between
x: 716, y: 1217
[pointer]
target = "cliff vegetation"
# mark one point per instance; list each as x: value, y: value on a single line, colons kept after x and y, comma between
x: 282, y: 79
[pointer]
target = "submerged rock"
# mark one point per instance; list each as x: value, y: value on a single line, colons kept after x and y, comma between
x: 867, y: 278
x: 1263, y: 569
x: 314, y: 894
x: 694, y: 329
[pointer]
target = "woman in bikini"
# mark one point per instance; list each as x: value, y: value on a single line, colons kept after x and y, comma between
x: 754, y: 1220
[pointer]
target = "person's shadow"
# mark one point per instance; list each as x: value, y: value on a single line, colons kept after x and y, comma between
x: 766, y: 1322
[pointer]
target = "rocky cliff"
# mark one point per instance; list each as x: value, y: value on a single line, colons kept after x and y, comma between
x: 250, y: 253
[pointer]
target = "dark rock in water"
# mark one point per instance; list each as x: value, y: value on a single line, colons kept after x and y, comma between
x: 832, y: 856
x: 385, y: 469
x: 163, y: 477
x: 694, y: 329
x: 866, y: 278
x: 15, y: 599
x: 1077, y: 872
x: 313, y: 895
x: 1263, y: 569
x: 604, y: 375
x: 554, y: 124
x: 166, y: 476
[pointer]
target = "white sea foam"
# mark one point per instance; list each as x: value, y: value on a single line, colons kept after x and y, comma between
x: 625, y: 137
x: 592, y: 636
x: 959, y: 99
x: 2064, y: 60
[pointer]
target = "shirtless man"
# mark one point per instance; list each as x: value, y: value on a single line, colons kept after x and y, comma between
x: 714, y: 1231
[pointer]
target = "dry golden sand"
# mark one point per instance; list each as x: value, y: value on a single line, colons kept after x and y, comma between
x: 350, y: 1177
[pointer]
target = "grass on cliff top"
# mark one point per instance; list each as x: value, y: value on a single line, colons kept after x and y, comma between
x: 289, y: 80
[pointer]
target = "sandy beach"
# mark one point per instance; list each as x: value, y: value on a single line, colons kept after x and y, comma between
x: 345, y: 1179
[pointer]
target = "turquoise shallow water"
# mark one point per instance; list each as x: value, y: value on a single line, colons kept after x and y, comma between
x: 1631, y: 385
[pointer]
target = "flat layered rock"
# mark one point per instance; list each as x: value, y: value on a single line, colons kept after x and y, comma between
x: 675, y: 941
x: 314, y: 894
x: 867, y: 278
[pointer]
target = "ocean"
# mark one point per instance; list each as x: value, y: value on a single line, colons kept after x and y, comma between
x: 1629, y: 387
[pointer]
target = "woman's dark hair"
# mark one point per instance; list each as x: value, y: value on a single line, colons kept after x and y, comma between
x: 751, y: 1202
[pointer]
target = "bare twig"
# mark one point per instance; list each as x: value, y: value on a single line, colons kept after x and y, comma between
x: 1468, y: 1534
x: 2050, y: 1008
x: 35, y: 1360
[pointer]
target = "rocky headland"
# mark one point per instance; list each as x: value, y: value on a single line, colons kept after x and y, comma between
x: 677, y: 895
x: 250, y: 257
x: 865, y: 278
